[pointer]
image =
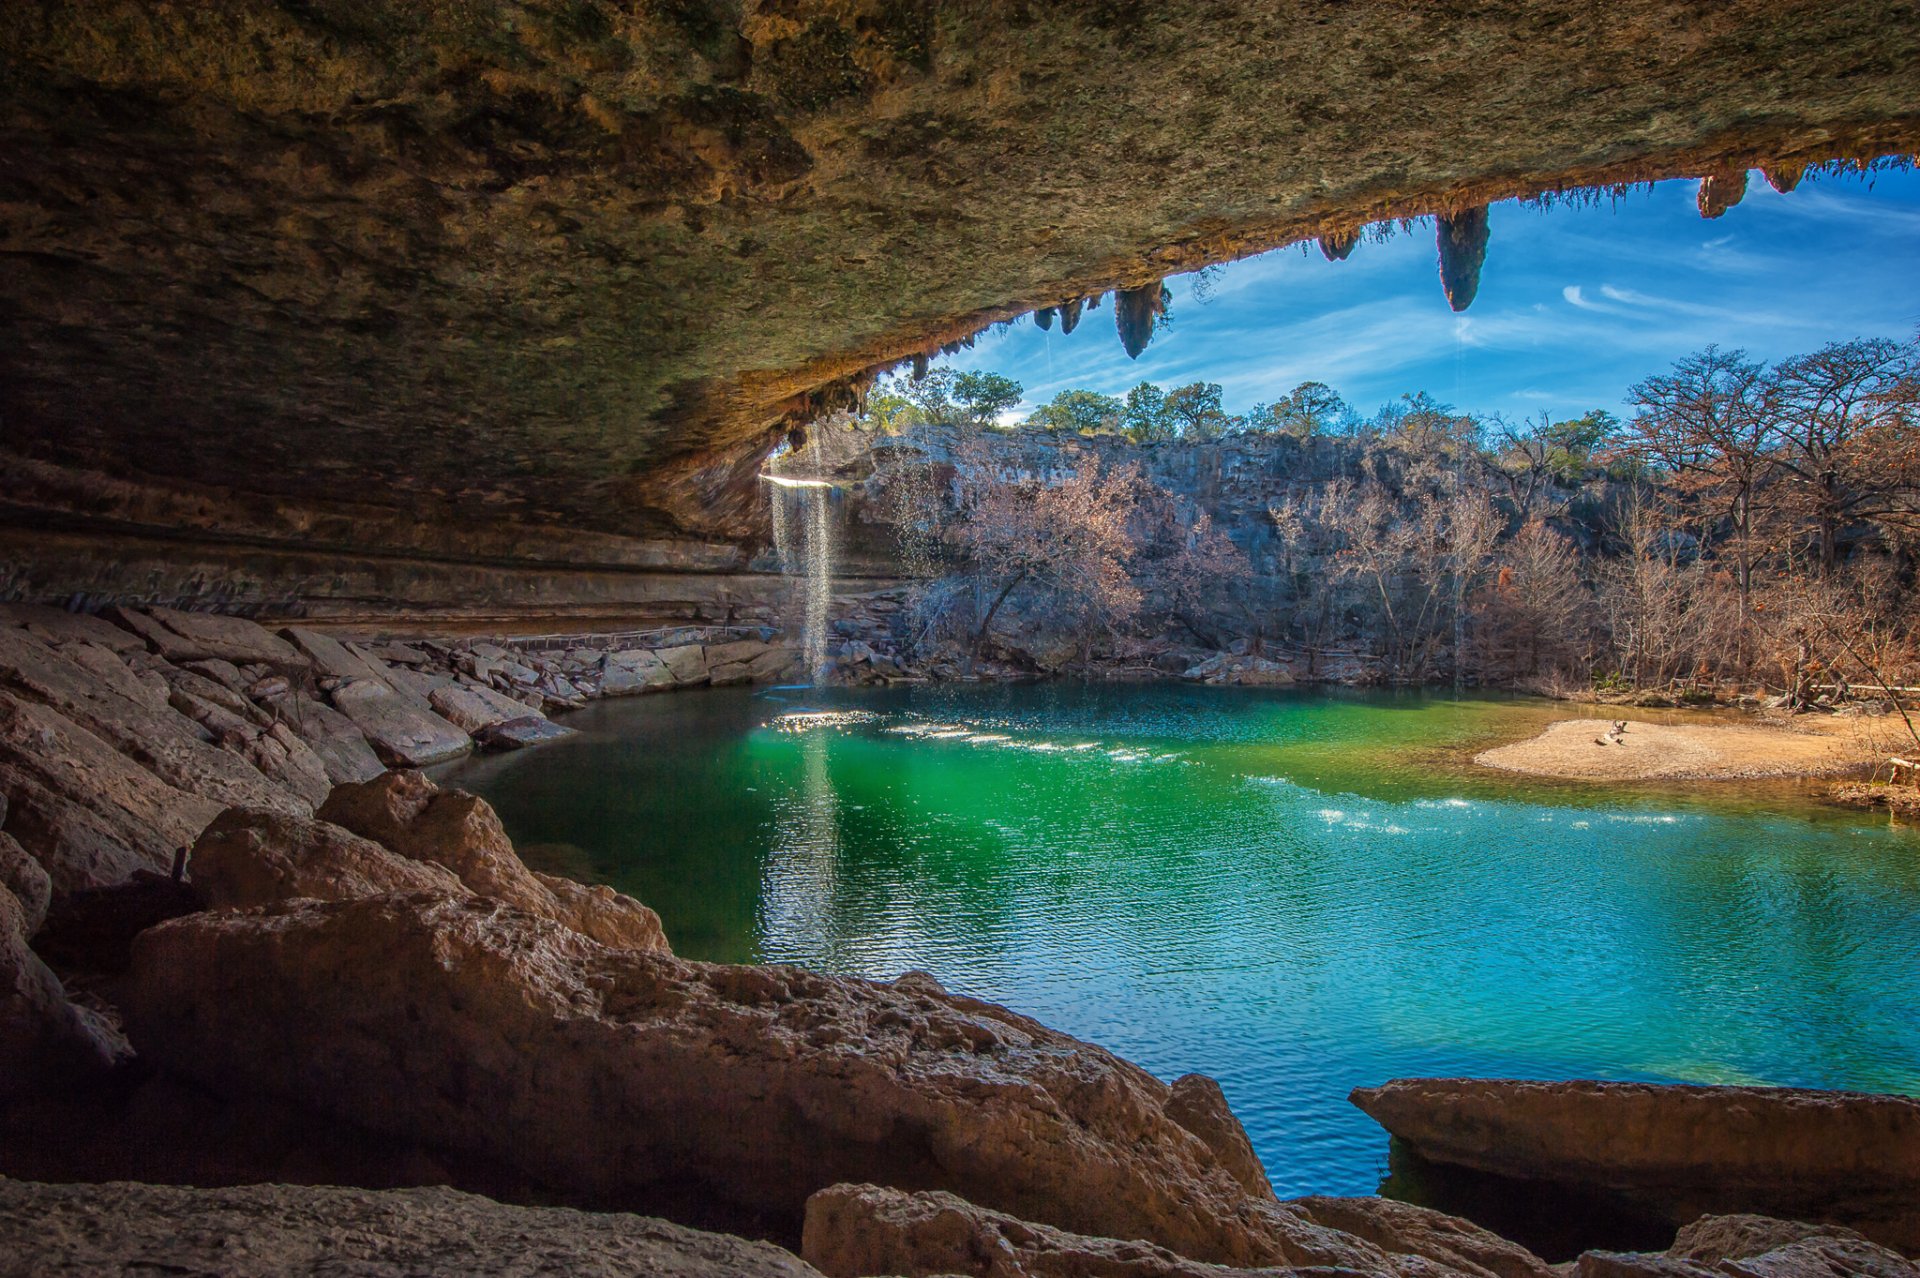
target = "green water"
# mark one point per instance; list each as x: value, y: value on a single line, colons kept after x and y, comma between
x: 1294, y: 893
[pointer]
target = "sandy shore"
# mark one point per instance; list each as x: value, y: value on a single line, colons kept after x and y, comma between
x: 1716, y: 752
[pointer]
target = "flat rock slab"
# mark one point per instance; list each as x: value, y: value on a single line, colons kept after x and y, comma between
x: 198, y: 636
x: 1845, y: 1157
x: 56, y: 625
x: 299, y: 1231
x: 402, y: 734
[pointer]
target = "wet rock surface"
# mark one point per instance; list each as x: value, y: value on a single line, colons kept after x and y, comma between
x: 289, y: 1231
x: 1842, y: 1157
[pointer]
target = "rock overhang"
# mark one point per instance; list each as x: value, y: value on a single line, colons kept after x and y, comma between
x: 576, y: 265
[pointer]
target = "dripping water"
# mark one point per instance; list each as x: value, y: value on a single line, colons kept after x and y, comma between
x: 819, y: 565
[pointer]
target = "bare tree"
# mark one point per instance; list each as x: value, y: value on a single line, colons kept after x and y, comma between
x: 1069, y: 544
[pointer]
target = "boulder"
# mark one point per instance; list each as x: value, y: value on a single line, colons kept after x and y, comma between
x: 1748, y: 1246
x: 1841, y: 1157
x: 856, y: 1230
x: 336, y: 741
x: 197, y: 636
x: 76, y: 845
x: 58, y: 626
x: 249, y: 858
x: 729, y: 663
x: 471, y: 708
x: 514, y: 734
x: 403, y: 735
x: 634, y: 671
x: 44, y: 1037
x: 623, y: 1075
x: 686, y: 663
x: 306, y: 1231
x: 1404, y: 1230
x: 23, y: 876
x: 410, y: 815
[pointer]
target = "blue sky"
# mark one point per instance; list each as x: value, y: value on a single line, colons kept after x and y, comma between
x: 1575, y: 304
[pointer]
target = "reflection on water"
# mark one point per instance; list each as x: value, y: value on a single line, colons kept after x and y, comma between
x: 1295, y: 893
x: 797, y: 899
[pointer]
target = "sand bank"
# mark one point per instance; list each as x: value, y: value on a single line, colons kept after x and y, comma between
x: 1570, y: 748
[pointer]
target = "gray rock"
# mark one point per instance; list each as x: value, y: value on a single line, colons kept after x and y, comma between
x: 472, y: 708
x: 513, y: 734
x: 687, y: 663
x: 196, y: 636
x: 331, y: 657
x: 56, y: 625
x: 300, y: 1231
x: 335, y: 740
x: 401, y: 734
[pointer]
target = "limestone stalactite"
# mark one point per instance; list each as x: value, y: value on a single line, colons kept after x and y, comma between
x: 1721, y: 191
x: 1462, y: 238
x: 1337, y: 246
x: 1134, y: 312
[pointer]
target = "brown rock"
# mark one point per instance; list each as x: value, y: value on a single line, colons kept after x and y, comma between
x: 1402, y: 1229
x: 412, y: 816
x: 605, y: 915
x: 85, y: 811
x: 620, y: 1074
x: 165, y: 743
x: 1842, y: 1157
x: 23, y: 876
x: 856, y: 1230
x: 1198, y: 1104
x: 248, y: 858
x: 44, y: 1038
x: 1747, y: 1246
x: 304, y: 1231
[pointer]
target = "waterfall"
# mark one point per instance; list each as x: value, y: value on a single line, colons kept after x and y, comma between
x: 819, y: 567
x: 812, y: 556
x: 782, y: 539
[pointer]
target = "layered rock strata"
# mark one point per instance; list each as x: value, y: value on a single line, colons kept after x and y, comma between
x: 1835, y: 1156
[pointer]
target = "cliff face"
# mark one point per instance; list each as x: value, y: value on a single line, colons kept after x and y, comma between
x: 539, y: 271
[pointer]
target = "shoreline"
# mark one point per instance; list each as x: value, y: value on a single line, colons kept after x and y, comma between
x: 1584, y: 749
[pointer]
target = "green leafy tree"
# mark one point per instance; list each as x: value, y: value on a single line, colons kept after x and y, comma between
x: 1083, y: 412
x: 1145, y: 419
x: 1311, y: 408
x: 1196, y: 411
x: 984, y: 396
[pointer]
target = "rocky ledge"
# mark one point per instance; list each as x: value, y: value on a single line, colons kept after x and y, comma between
x: 1843, y: 1157
x: 288, y: 1231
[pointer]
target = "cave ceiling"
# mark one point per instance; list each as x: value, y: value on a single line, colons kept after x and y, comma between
x: 578, y: 263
